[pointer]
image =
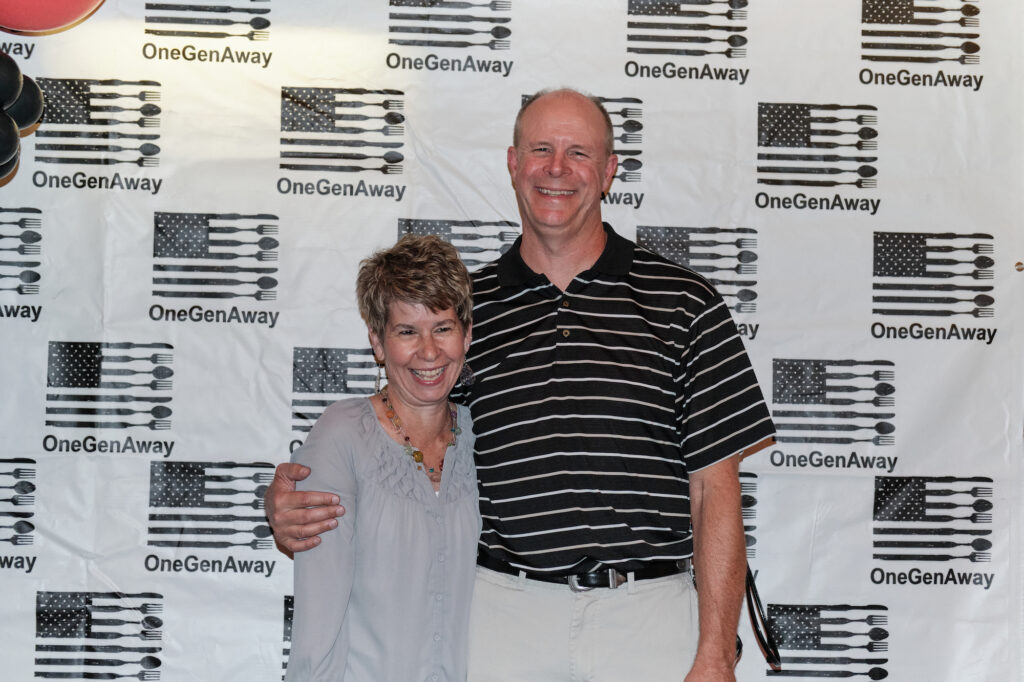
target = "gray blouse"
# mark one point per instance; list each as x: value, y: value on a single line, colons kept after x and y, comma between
x: 385, y: 596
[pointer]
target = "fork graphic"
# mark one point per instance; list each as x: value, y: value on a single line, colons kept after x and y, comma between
x: 24, y: 289
x: 870, y: 620
x: 963, y: 59
x: 25, y: 222
x: 19, y: 540
x: 877, y: 440
x: 155, y: 385
x: 739, y: 243
x: 628, y: 177
x: 259, y: 255
x: 863, y: 120
x: 255, y: 478
x: 144, y: 96
x: 263, y: 295
x: 142, y: 161
x: 977, y: 491
x: 386, y: 169
x: 24, y: 249
x: 144, y: 122
x: 493, y: 44
x: 976, y: 312
x: 731, y: 52
x: 495, y: 6
x: 20, y: 473
x: 386, y: 130
x: 251, y: 35
x: 260, y: 230
x: 153, y: 424
x: 741, y: 269
x: 388, y: 104
x: 147, y: 635
x: 155, y: 358
x: 20, y: 500
x: 975, y: 248
x: 880, y: 375
x: 966, y: 22
x: 862, y: 145
x: 146, y: 609
x: 861, y: 183
x: 255, y: 544
x: 974, y: 557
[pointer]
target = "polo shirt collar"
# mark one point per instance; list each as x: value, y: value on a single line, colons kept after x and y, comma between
x: 615, y: 259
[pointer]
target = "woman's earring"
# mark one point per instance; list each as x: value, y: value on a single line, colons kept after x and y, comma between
x: 466, y: 376
x: 376, y: 386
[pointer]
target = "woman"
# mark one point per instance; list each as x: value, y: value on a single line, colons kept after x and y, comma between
x: 386, y: 597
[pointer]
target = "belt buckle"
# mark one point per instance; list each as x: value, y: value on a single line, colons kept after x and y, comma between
x: 614, y: 580
x: 574, y: 584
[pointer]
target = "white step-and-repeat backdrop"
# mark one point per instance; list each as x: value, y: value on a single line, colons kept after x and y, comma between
x: 178, y: 250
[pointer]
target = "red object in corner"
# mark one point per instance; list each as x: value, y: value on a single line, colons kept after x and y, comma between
x: 41, y: 16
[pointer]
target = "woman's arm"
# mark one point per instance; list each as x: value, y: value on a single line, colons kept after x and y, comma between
x: 323, y: 576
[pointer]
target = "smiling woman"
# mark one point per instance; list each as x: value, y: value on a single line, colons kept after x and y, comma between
x: 386, y: 597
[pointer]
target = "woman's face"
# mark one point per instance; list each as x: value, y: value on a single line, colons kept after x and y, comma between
x: 422, y: 352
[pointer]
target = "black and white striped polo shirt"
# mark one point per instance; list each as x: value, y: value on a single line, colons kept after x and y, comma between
x: 590, y: 407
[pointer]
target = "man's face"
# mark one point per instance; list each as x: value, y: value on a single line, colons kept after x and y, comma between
x: 560, y: 167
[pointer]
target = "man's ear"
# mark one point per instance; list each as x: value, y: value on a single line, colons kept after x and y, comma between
x: 512, y: 159
x: 610, y: 166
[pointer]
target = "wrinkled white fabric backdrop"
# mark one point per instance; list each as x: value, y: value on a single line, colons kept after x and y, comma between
x: 949, y: 160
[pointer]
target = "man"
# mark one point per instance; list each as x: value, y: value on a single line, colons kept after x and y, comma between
x: 612, y: 403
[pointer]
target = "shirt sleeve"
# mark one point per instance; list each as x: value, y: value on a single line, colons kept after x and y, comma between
x: 323, y: 575
x: 723, y: 410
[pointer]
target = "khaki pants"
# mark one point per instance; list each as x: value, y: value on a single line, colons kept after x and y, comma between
x: 534, y: 631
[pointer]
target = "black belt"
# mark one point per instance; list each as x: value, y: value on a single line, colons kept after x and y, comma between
x: 581, y: 582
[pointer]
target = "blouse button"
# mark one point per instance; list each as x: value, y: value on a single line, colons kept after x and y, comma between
x: 565, y: 333
x: 565, y: 304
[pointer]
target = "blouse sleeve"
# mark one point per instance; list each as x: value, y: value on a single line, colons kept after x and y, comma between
x: 323, y: 575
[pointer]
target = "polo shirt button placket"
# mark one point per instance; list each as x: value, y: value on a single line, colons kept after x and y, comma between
x: 565, y: 305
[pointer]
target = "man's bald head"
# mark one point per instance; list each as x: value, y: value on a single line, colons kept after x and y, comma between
x: 566, y: 92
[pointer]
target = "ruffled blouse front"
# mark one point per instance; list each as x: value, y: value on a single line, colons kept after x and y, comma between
x: 385, y: 596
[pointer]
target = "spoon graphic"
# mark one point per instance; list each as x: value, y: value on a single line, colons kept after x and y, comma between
x: 22, y: 527
x: 26, y: 276
x: 21, y: 487
x: 27, y: 237
x: 266, y: 282
x: 746, y: 295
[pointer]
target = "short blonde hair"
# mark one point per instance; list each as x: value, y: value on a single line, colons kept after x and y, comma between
x: 418, y: 269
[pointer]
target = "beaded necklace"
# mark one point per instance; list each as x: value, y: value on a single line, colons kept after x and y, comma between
x: 410, y: 449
